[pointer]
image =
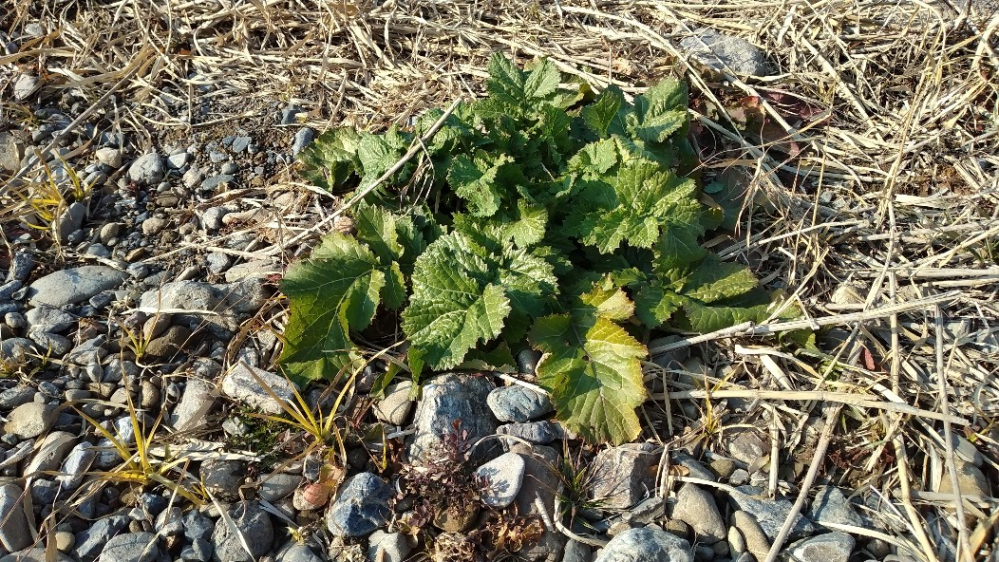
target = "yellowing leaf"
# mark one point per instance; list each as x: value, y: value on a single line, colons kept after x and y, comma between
x: 592, y: 368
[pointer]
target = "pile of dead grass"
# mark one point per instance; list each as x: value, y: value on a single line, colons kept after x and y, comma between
x: 872, y: 151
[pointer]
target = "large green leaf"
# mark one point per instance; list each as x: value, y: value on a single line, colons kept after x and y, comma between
x: 334, y: 292
x: 468, y: 286
x: 704, y: 318
x: 474, y: 180
x: 530, y: 226
x: 338, y: 290
x: 376, y: 227
x: 655, y: 304
x: 592, y: 368
x: 516, y: 92
x: 661, y: 111
x: 714, y: 280
x: 645, y: 198
x: 331, y: 159
x: 603, y: 115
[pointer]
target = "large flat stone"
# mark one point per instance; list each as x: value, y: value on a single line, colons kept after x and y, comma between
x: 70, y: 286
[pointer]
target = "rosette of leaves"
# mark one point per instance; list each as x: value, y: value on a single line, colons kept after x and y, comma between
x: 561, y: 220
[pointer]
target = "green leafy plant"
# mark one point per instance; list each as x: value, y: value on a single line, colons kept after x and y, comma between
x: 539, y: 216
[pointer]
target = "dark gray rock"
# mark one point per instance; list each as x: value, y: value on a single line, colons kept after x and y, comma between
x: 89, y: 352
x: 131, y: 547
x: 213, y: 182
x: 527, y: 361
x: 360, y: 507
x: 620, y: 475
x: 7, y: 291
x: 724, y: 53
x: 33, y: 555
x: 197, y: 400
x: 279, y: 485
x: 672, y: 359
x: 44, y: 492
x: 54, y: 344
x: 15, y: 320
x: 576, y: 551
x: 14, y: 532
x: 448, y: 400
x: 91, y: 541
x: 646, y: 544
x: 830, y: 547
x: 17, y: 349
x: 539, y: 432
x: 148, y: 169
x: 289, y: 114
x: 537, y: 493
x: 197, y: 526
x: 241, y: 385
x: 108, y: 456
x: 217, y: 262
x: 228, y: 303
x: 21, y: 266
x: 647, y: 511
x: 70, y: 286
x: 211, y: 219
x: 153, y: 504
x: 199, y: 550
x: 518, y: 404
x: 694, y: 468
x: 170, y: 522
x: 76, y: 465
x: 253, y: 524
x: 769, y: 513
x: 240, y: 144
x: 16, y: 396
x: 745, y: 445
